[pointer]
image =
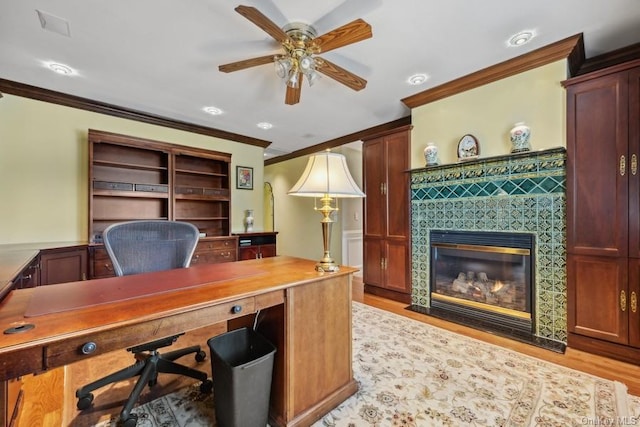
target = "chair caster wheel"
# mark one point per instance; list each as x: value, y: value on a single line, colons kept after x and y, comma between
x: 206, y: 386
x: 131, y: 421
x: 201, y: 356
x: 85, y: 401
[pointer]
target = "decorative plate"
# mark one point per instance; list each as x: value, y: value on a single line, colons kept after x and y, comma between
x: 468, y: 147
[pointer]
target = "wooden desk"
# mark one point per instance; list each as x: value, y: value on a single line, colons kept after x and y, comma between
x: 306, y: 314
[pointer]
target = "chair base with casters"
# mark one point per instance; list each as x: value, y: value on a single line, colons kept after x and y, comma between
x: 149, y: 363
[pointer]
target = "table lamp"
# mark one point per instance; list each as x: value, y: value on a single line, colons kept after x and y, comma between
x: 326, y: 177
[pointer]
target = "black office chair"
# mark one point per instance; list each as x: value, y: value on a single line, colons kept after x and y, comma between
x: 141, y: 247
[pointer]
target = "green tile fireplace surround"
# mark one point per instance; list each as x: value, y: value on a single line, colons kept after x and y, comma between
x: 523, y: 193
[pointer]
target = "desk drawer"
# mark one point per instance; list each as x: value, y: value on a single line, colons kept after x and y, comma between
x: 101, y: 263
x: 215, y: 251
x: 70, y: 350
x: 217, y: 244
x: 214, y: 257
x: 22, y: 362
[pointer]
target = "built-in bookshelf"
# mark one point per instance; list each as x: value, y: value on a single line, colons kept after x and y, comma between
x: 133, y: 178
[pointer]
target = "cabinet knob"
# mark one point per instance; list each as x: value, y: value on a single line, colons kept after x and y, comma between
x: 634, y: 302
x: 623, y: 165
x: 236, y: 309
x: 623, y: 300
x: 89, y: 347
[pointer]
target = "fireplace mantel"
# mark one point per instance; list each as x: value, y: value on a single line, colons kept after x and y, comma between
x: 523, y: 192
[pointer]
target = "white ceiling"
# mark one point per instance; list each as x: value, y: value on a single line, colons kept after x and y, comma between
x: 162, y: 56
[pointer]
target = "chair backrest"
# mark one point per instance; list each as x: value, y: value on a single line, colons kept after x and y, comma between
x: 145, y: 246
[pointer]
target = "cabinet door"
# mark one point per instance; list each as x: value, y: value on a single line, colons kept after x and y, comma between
x: 599, y: 297
x: 63, y: 266
x: 396, y: 269
x: 397, y: 187
x: 597, y: 167
x: 373, y: 253
x: 267, y: 251
x: 634, y: 150
x: 374, y: 187
x: 634, y: 302
x: 248, y: 252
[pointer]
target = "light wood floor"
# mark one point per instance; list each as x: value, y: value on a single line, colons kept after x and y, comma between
x: 50, y: 400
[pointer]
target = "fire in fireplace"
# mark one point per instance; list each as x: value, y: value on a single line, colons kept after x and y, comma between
x: 484, y: 278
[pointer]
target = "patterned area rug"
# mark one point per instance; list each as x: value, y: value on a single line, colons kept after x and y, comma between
x: 414, y: 374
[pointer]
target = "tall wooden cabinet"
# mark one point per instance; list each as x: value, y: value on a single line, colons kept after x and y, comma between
x: 134, y: 179
x: 387, y: 255
x: 603, y: 211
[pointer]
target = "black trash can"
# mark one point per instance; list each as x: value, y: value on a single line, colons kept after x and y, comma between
x: 242, y: 366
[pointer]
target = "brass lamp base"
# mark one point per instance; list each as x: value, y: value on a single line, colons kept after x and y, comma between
x: 327, y: 267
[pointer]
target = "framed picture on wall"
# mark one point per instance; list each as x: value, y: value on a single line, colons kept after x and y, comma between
x: 244, y: 178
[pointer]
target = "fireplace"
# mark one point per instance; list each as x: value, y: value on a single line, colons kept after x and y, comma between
x: 484, y: 279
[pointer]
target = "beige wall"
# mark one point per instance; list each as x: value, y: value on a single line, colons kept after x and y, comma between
x: 300, y: 232
x: 44, y: 167
x: 43, y: 158
x: 489, y: 112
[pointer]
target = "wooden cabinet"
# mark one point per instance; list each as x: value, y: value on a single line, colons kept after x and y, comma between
x: 62, y: 265
x: 603, y: 211
x: 386, y: 252
x: 257, y: 245
x: 29, y: 277
x: 134, y: 179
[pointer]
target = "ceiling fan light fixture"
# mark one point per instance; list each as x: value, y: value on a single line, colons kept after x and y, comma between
x: 307, y: 63
x: 283, y: 66
x: 293, y: 80
x: 313, y: 77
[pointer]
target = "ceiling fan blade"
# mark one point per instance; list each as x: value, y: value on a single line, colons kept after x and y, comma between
x: 293, y: 94
x: 345, y: 77
x: 352, y: 32
x: 247, y: 63
x: 255, y: 16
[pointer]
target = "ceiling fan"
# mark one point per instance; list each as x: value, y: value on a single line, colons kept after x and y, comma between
x: 301, y: 44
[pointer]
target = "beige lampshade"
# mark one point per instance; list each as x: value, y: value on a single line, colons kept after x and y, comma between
x: 326, y: 174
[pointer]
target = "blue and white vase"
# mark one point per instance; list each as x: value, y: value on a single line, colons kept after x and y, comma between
x: 520, y: 135
x: 431, y: 154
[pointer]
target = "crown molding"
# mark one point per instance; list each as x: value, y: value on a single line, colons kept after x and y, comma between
x: 46, y: 95
x: 571, y: 48
x: 356, y: 136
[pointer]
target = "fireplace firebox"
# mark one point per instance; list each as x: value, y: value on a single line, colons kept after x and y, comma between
x: 484, y: 279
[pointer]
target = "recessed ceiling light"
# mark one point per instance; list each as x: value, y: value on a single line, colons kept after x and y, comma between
x: 61, y: 68
x: 264, y: 125
x: 417, y: 79
x: 214, y: 111
x: 523, y: 37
